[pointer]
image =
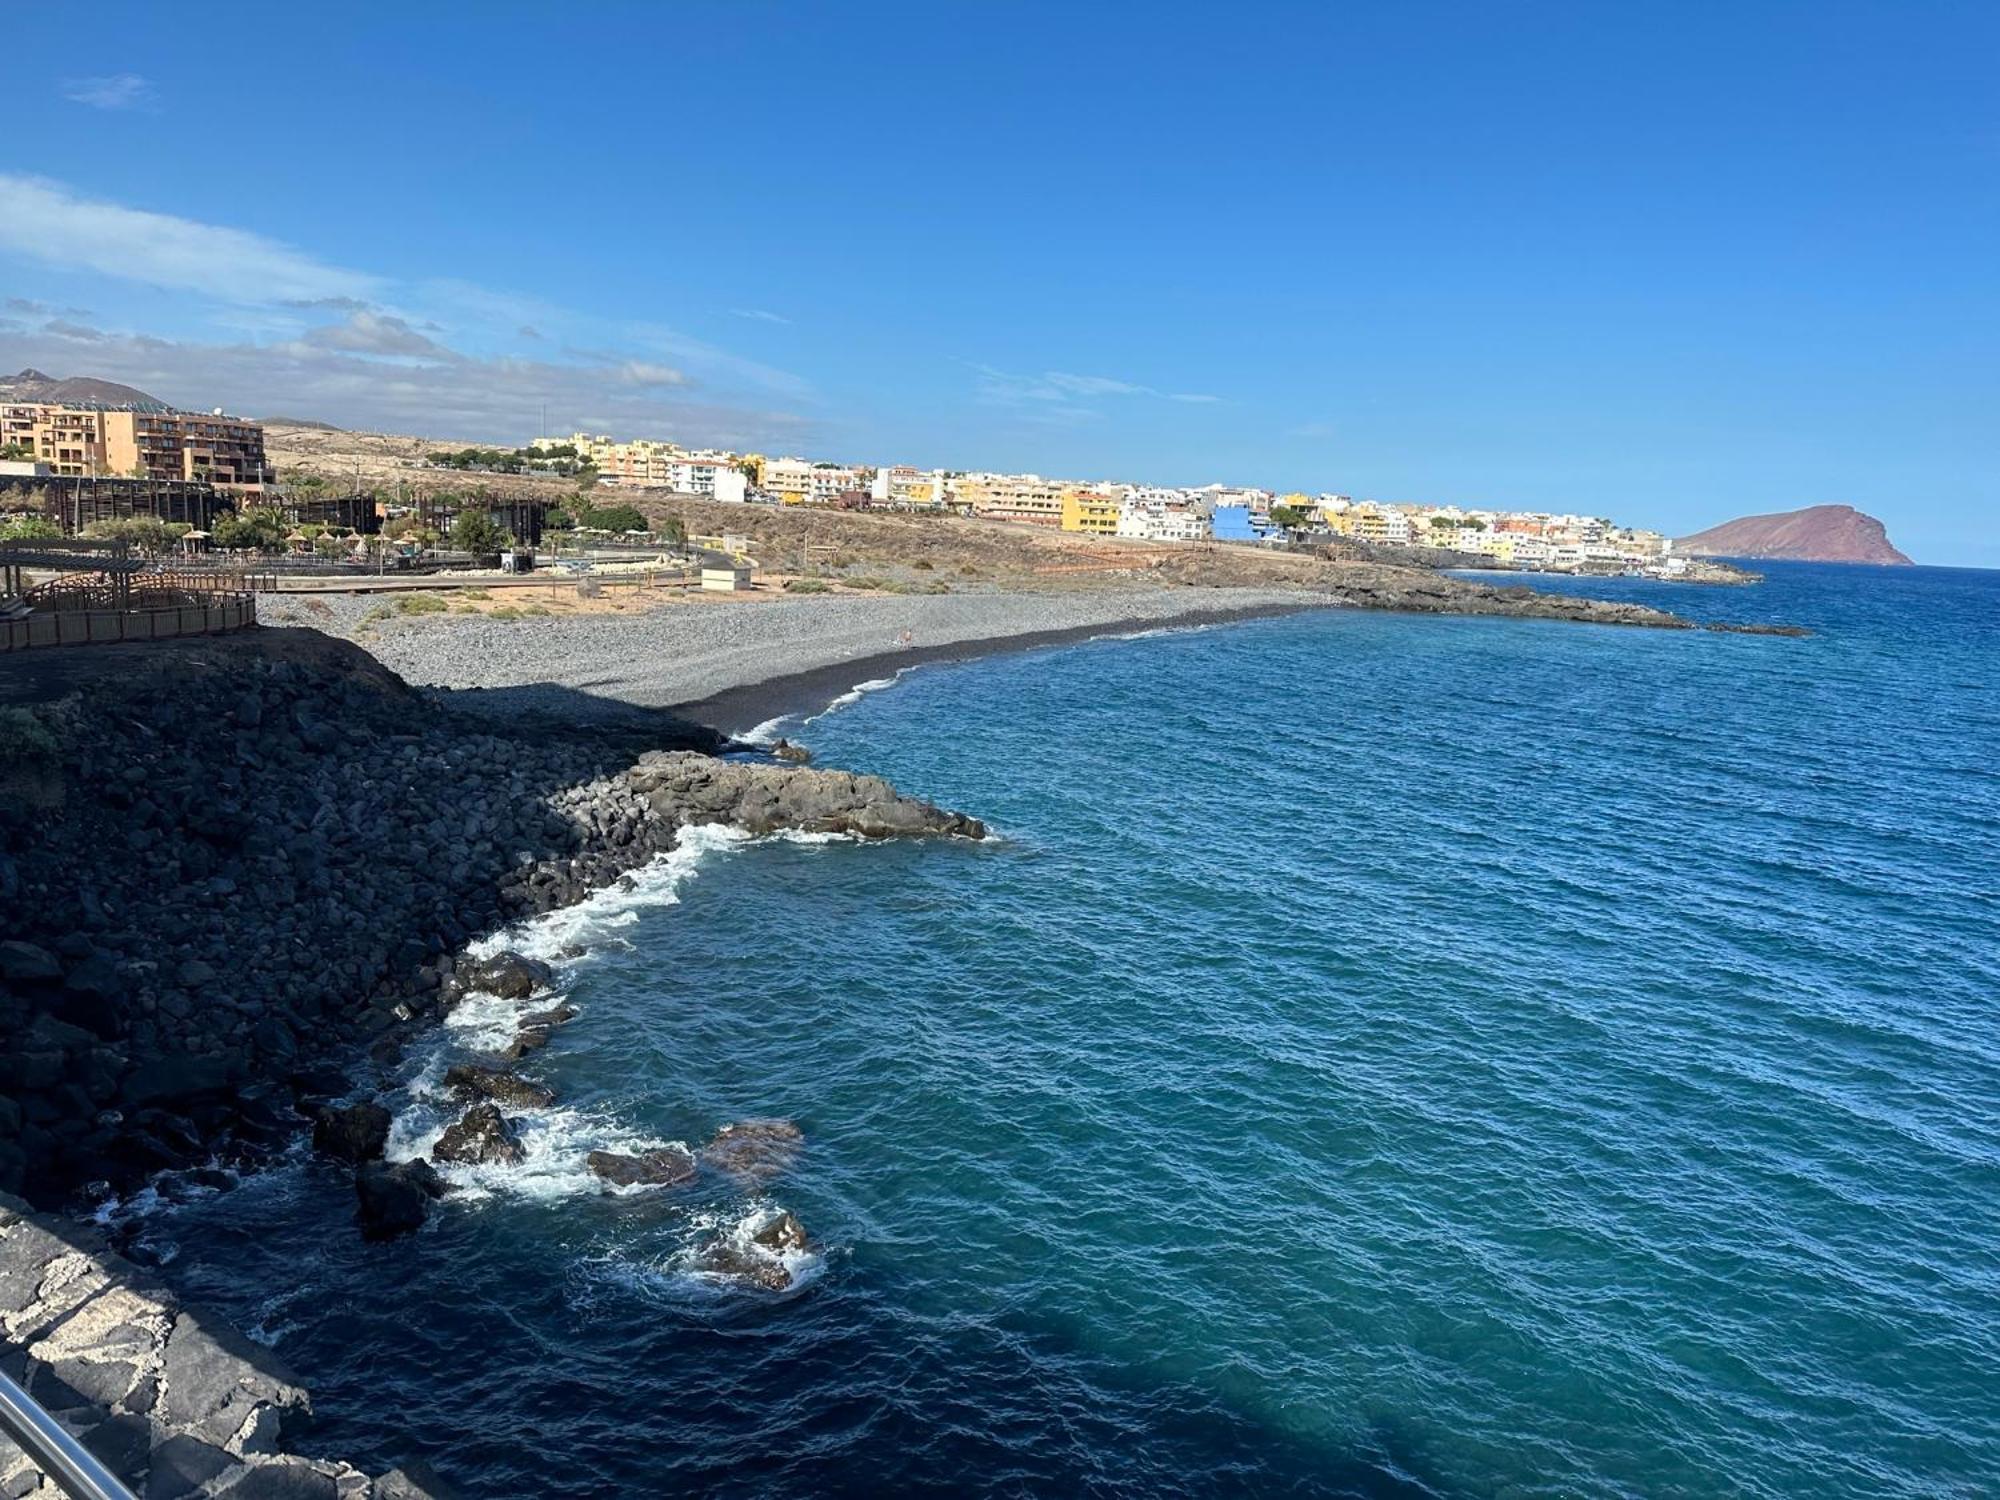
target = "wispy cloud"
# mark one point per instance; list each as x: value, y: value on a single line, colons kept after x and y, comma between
x: 1061, y: 387
x: 759, y: 315
x: 487, y: 400
x: 46, y: 222
x: 1311, y: 431
x: 378, y: 333
x: 113, y: 91
x: 282, y: 328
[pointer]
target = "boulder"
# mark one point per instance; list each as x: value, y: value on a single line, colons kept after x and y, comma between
x: 762, y: 1271
x: 783, y: 1232
x: 669, y: 1166
x: 353, y: 1133
x: 394, y: 1198
x: 785, y: 750
x: 482, y: 1136
x: 468, y: 1081
x: 754, y: 1150
x: 511, y: 976
x: 27, y: 963
x: 166, y: 1080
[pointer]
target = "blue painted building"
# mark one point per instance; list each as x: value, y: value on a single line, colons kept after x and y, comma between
x: 1231, y: 523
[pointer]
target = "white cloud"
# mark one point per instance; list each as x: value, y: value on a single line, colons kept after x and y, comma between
x: 483, y: 400
x: 377, y: 333
x: 642, y: 372
x: 115, y: 91
x: 44, y: 221
x: 283, y: 330
x: 759, y: 315
x: 1057, y: 387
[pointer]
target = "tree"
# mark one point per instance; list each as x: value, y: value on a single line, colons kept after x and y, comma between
x: 476, y: 531
x: 148, y: 533
x: 674, y: 529
x: 16, y: 453
x: 559, y: 519
x: 1290, y: 517
x: 29, y: 529
x: 613, y: 518
x: 259, y: 528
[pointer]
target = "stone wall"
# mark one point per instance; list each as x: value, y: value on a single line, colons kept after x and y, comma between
x: 172, y: 1401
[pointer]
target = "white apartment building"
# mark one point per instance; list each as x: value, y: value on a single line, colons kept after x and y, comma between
x: 1160, y: 521
x: 910, y: 489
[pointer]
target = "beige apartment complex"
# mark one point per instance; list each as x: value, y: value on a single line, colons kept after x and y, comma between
x: 89, y: 442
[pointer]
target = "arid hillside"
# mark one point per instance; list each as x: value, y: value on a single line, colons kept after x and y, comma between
x: 1819, y: 533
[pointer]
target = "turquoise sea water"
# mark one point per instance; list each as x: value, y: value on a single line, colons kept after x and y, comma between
x: 1379, y: 1056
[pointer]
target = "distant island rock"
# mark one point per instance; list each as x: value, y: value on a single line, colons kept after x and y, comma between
x: 80, y: 390
x: 1819, y: 533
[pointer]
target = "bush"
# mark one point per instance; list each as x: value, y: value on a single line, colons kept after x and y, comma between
x: 475, y: 593
x: 29, y: 529
x: 612, y: 518
x: 25, y: 739
x: 259, y: 528
x: 806, y: 586
x: 406, y: 604
x: 147, y: 533
x: 504, y: 612
x: 477, y: 532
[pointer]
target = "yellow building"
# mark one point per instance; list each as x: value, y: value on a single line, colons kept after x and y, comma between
x: 1089, y: 511
x: 100, y: 443
x: 1013, y: 497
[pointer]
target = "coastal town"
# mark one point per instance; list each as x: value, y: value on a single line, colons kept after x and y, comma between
x: 72, y: 466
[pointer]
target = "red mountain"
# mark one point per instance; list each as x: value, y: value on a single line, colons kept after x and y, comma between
x: 1819, y: 533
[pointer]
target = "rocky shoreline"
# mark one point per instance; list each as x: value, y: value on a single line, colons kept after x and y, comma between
x: 241, y: 875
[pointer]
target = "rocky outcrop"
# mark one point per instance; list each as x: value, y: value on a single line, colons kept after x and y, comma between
x: 172, y: 1401
x: 682, y: 788
x: 352, y: 1133
x: 754, y: 1151
x: 393, y: 1198
x: 754, y: 1254
x: 536, y: 1028
x: 669, y: 1166
x: 511, y: 976
x: 470, y: 1081
x: 483, y: 1136
x: 263, y: 851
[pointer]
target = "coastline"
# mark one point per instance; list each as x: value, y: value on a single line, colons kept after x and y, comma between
x: 735, y: 711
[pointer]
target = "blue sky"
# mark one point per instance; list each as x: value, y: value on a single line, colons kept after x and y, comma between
x: 1674, y: 263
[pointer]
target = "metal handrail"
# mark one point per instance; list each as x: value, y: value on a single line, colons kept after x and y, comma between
x: 73, y: 1467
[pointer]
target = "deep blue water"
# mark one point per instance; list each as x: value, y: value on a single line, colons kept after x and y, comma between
x: 1380, y: 1056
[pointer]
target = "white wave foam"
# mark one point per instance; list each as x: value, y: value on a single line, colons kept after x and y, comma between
x: 687, y: 1273
x: 556, y: 1143
x: 859, y: 691
x: 554, y: 936
x: 766, y: 732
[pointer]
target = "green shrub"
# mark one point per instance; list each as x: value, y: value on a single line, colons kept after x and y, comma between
x: 805, y: 586
x: 421, y: 604
x: 26, y: 740
x: 475, y: 593
x: 504, y: 612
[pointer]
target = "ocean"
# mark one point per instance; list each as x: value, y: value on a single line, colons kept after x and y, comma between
x: 1375, y: 1056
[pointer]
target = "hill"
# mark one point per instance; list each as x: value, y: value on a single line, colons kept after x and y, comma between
x: 1819, y: 533
x: 79, y: 390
